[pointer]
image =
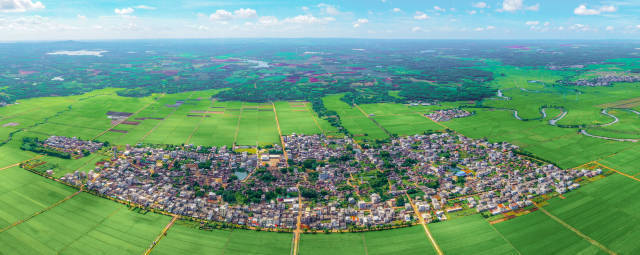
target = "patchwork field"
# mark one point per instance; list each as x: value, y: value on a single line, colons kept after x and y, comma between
x: 470, y: 235
x: 23, y: 193
x: 549, y: 142
x: 84, y: 225
x: 549, y: 235
x: 606, y: 210
x: 401, y: 119
x: 354, y: 120
x: 411, y: 240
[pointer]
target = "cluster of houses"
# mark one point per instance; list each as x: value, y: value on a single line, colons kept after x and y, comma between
x: 72, y: 145
x: 445, y: 115
x: 332, y: 183
x: 606, y: 80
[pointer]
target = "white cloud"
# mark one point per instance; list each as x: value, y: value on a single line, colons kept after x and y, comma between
x: 583, y: 10
x: 268, y: 20
x: 82, y: 17
x: 532, y: 23
x: 511, y: 5
x: 308, y: 19
x: 546, y: 24
x: 480, y: 5
x: 145, y: 7
x: 416, y: 29
x: 437, y: 8
x: 487, y: 28
x: 396, y: 10
x: 124, y: 11
x: 420, y: 16
x: 534, y: 7
x: 328, y: 9
x: 19, y: 5
x: 245, y: 13
x: 359, y: 22
x: 472, y: 12
x: 304, y: 8
x: 610, y: 28
x: 221, y: 15
x: 514, y: 5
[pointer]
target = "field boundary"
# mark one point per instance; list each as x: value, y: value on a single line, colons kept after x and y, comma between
x: 162, y: 234
x: 569, y: 227
x: 119, y: 122
x: 235, y: 136
x: 313, y: 116
x: 504, y: 238
x: 372, y: 120
x: 424, y: 226
x: 284, y: 149
x: 199, y: 123
x: 40, y: 212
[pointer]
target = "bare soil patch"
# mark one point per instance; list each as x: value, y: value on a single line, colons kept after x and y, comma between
x: 11, y: 124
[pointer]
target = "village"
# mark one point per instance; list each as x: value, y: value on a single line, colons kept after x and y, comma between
x: 332, y: 183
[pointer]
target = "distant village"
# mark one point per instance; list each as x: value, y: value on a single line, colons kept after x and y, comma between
x: 332, y: 183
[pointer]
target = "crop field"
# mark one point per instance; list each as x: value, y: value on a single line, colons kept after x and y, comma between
x: 354, y: 120
x: 563, y: 146
x: 400, y: 119
x: 340, y: 244
x: 220, y: 128
x: 84, y: 225
x: 186, y: 238
x: 626, y: 161
x: 550, y: 236
x: 628, y: 126
x: 253, y: 242
x: 410, y: 240
x: 257, y: 125
x: 299, y: 118
x: 23, y: 193
x: 469, y: 235
x: 605, y: 210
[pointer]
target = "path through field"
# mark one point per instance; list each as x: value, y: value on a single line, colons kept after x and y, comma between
x: 284, y: 149
x: 566, y: 225
x: 41, y: 211
x: 424, y: 226
x: 162, y: 234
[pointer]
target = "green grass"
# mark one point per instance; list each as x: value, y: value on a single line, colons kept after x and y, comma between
x: 84, y: 225
x: 536, y: 232
x: 626, y: 161
x: 253, y: 242
x: 257, y: 125
x: 337, y: 244
x: 353, y: 120
x: 186, y: 238
x: 605, y: 210
x: 628, y: 126
x: 563, y: 146
x: 410, y: 240
x: 469, y: 235
x: 23, y: 193
x: 400, y: 119
x: 297, y: 117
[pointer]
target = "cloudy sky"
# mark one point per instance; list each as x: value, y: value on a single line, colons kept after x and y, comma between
x: 455, y: 19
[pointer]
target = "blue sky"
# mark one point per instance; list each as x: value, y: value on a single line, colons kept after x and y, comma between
x: 448, y: 19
